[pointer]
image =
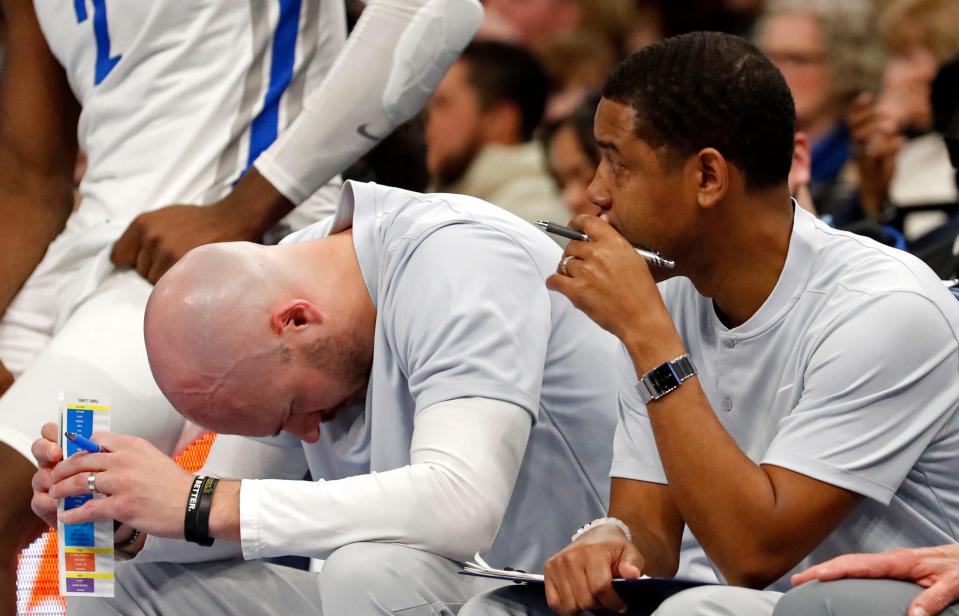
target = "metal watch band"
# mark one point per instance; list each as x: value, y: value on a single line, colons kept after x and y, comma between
x: 664, y: 378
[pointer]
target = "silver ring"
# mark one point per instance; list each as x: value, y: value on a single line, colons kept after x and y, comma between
x: 92, y: 483
x: 564, y: 264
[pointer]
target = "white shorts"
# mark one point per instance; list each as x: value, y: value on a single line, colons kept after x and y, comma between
x: 52, y: 345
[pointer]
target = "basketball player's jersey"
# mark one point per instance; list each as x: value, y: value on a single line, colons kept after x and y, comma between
x: 179, y: 97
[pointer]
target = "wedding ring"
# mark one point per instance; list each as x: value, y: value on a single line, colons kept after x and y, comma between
x: 564, y: 264
x: 92, y: 483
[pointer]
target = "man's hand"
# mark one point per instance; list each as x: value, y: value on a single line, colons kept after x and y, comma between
x: 156, y: 240
x: 144, y: 487
x: 48, y: 454
x: 876, y: 141
x: 608, y: 280
x: 6, y: 379
x: 580, y: 577
x: 935, y: 569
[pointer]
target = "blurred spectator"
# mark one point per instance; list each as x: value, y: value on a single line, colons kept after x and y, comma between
x: 578, y: 41
x: 800, y: 174
x: 829, y: 53
x: 940, y: 248
x: 577, y: 63
x: 479, y: 130
x: 921, y: 35
x: 659, y: 19
x: 531, y: 23
x: 572, y: 156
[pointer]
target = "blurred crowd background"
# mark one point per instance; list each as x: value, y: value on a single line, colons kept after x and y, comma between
x: 876, y: 86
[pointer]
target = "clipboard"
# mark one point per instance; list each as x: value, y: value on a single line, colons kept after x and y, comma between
x: 642, y: 595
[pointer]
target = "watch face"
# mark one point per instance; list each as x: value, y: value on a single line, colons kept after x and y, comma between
x: 664, y: 378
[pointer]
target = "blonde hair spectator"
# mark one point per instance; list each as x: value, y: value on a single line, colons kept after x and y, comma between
x: 933, y: 24
x: 849, y: 30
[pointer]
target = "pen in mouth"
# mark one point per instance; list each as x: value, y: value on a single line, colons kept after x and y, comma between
x: 651, y: 256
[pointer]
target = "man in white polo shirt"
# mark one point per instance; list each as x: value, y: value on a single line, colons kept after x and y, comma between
x: 487, y: 424
x: 790, y: 392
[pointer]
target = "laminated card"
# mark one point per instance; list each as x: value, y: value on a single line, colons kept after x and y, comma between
x: 86, y: 550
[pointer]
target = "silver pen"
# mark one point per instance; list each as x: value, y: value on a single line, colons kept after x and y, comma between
x: 651, y: 256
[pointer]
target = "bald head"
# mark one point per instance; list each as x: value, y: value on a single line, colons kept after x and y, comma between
x: 238, y: 343
x: 207, y: 326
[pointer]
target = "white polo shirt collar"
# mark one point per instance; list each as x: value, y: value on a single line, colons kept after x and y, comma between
x: 799, y: 266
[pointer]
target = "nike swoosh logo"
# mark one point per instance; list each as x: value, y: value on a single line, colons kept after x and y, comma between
x: 363, y: 132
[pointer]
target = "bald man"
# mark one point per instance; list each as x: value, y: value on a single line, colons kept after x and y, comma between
x: 407, y: 354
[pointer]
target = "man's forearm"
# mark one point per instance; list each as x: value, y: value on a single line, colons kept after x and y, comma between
x: 730, y: 503
x: 725, y: 498
x: 450, y: 463
x: 255, y: 205
x: 225, y: 511
x: 34, y: 211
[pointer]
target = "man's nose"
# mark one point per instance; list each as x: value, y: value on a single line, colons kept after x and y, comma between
x: 598, y: 194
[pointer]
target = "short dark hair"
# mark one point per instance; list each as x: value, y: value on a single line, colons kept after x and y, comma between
x: 508, y: 73
x: 708, y: 89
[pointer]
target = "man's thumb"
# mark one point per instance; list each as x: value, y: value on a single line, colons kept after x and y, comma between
x: 631, y: 564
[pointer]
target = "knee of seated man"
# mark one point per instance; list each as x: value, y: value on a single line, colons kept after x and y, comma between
x: 359, y: 569
x: 372, y: 573
x: 810, y: 599
x: 718, y: 600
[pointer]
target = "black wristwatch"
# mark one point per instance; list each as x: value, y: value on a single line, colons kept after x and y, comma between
x: 664, y: 378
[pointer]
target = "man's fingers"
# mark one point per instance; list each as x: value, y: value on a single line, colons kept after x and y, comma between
x: 82, y: 463
x: 91, y: 511
x: 126, y: 249
x: 567, y: 595
x: 888, y: 565
x: 76, y: 485
x: 595, y: 227
x: 45, y: 450
x: 936, y: 598
x: 113, y: 441
x: 552, y: 595
x: 599, y: 577
x: 45, y: 508
x: 161, y: 263
x: 51, y: 431
x: 631, y: 563
x: 42, y: 480
x: 144, y: 261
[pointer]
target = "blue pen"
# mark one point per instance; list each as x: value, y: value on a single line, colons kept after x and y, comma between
x: 83, y: 442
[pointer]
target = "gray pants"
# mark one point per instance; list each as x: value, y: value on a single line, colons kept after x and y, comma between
x: 851, y: 598
x: 357, y: 580
x: 703, y: 601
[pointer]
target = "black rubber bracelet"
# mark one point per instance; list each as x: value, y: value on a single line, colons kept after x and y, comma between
x: 196, y: 521
x: 203, y: 511
x: 193, y: 500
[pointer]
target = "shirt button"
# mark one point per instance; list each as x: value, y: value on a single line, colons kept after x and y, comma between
x: 727, y: 404
x: 729, y: 343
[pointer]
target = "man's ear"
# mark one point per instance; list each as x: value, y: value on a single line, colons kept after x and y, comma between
x: 712, y: 177
x: 296, y: 314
